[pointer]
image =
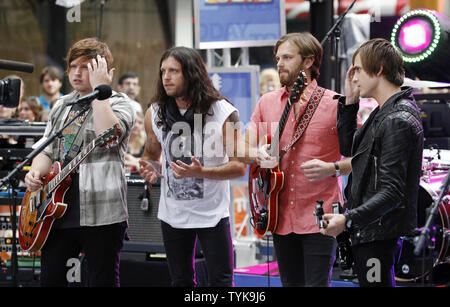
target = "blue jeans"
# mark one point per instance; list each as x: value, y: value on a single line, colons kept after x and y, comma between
x: 217, y: 246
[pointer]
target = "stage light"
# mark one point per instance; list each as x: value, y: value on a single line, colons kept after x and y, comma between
x: 422, y: 37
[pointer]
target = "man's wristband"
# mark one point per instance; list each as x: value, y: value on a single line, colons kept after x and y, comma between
x: 337, y: 170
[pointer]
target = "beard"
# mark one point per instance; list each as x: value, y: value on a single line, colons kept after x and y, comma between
x: 289, y: 79
x: 174, y: 92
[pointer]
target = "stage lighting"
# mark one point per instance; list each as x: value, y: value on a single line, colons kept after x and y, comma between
x: 422, y: 37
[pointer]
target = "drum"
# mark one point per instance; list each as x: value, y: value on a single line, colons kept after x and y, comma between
x: 435, y: 160
x: 411, y: 267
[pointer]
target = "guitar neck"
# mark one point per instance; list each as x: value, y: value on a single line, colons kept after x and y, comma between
x: 69, y: 168
x: 276, y: 138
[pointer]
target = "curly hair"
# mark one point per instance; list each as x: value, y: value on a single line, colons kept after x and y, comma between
x: 198, y: 87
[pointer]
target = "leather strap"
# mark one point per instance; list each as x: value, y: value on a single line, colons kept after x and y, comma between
x: 313, y: 103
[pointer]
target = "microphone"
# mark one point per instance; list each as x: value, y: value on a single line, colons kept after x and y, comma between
x: 16, y: 66
x: 101, y: 92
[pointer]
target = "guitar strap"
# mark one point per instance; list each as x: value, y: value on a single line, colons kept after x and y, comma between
x: 76, y: 145
x: 311, y: 107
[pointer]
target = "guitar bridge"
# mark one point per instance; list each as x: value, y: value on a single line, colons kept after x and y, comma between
x: 261, y: 222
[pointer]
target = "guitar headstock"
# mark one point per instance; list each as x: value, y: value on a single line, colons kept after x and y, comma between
x: 300, y: 84
x: 108, y: 137
x: 319, y: 214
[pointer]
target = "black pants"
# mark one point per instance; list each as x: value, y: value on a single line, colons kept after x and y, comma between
x: 217, y: 248
x: 101, y: 246
x: 374, y: 262
x: 305, y: 260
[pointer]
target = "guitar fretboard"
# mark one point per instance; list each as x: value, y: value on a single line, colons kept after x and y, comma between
x: 69, y: 168
x: 296, y: 91
x: 276, y: 137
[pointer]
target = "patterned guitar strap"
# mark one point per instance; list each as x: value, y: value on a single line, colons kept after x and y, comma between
x: 311, y: 107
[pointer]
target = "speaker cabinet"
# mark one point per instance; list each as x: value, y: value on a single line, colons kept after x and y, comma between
x: 144, y: 228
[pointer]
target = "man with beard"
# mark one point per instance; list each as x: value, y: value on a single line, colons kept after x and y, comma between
x: 305, y: 257
x: 186, y: 120
x: 129, y: 84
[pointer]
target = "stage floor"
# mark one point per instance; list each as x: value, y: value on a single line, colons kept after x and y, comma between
x: 256, y: 276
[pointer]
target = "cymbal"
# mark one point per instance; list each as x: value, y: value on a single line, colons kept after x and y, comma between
x: 424, y: 83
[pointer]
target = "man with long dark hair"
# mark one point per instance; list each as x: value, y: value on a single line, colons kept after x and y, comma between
x: 186, y: 127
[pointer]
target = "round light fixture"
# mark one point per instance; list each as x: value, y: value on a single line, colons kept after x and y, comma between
x: 423, y: 38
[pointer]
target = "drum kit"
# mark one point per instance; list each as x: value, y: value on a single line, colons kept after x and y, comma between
x: 433, y: 263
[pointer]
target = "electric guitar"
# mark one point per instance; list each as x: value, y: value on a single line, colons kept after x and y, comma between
x: 265, y: 184
x: 40, y: 208
x: 344, y: 253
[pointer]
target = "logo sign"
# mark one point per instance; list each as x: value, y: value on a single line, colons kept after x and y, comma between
x: 234, y: 24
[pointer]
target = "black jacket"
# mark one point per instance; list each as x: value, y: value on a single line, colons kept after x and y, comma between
x: 387, y: 150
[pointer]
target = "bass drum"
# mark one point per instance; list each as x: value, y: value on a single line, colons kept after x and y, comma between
x: 411, y: 267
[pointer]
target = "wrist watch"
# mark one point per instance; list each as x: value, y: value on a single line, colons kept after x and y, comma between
x: 338, y: 170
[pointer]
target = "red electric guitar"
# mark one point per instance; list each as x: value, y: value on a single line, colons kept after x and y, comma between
x: 264, y: 184
x: 40, y: 208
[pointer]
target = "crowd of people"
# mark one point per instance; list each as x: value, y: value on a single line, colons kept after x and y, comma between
x: 37, y: 108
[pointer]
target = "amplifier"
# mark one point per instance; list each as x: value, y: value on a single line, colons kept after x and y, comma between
x: 144, y: 228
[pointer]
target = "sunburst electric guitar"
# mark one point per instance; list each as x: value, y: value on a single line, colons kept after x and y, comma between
x: 264, y: 184
x: 41, y: 208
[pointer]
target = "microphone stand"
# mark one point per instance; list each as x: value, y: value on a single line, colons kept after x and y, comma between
x: 102, y: 7
x: 335, y: 34
x: 12, y: 180
x: 431, y: 214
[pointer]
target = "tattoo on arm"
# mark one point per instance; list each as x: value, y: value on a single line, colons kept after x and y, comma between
x: 234, y: 119
x: 152, y: 146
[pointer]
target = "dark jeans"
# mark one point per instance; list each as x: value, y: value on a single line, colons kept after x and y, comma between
x: 305, y: 260
x: 374, y: 262
x: 101, y: 246
x: 217, y: 248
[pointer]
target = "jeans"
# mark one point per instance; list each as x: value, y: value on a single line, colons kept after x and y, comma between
x: 217, y: 248
x: 101, y: 246
x: 305, y: 260
x: 374, y: 262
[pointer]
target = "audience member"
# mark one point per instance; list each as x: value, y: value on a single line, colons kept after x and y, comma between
x: 268, y: 81
x: 129, y: 84
x: 30, y: 109
x: 136, y: 144
x: 51, y: 81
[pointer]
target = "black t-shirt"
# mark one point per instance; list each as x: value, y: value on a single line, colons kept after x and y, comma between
x: 71, y: 219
